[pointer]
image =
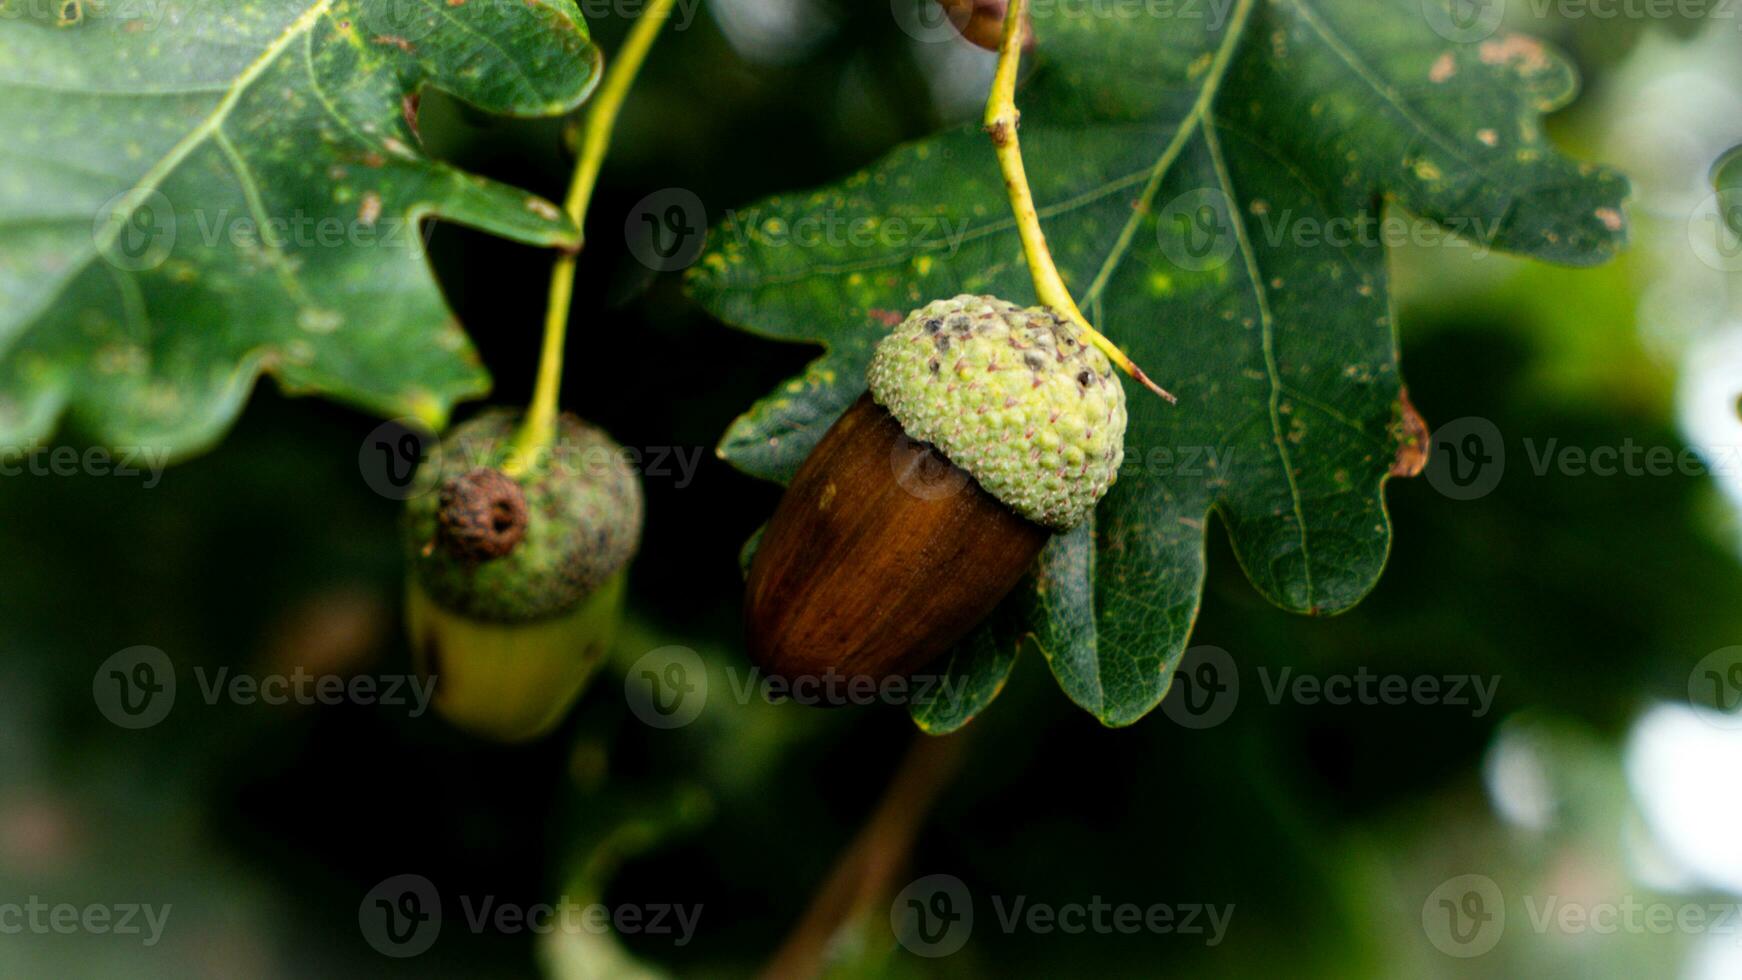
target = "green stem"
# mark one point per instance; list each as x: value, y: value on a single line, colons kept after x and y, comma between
x: 1001, y: 121
x: 538, y: 431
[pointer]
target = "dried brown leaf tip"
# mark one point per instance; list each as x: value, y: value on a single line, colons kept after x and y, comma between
x: 1413, y: 439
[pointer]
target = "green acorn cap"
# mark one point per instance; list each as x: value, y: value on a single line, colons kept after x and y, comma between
x: 1014, y: 396
x: 495, y: 548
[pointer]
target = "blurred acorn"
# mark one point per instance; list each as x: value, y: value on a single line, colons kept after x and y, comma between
x: 516, y: 582
x: 987, y: 428
x: 982, y: 22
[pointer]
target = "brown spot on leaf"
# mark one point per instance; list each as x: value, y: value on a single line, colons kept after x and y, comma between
x: 1413, y: 439
x: 1526, y: 54
x: 370, y: 209
x: 888, y: 318
x: 1443, y: 69
x: 409, y: 106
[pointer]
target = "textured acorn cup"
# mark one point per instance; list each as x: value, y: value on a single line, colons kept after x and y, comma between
x: 987, y: 428
x: 516, y: 582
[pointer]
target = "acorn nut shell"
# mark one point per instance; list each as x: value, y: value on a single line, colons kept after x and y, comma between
x: 516, y: 583
x: 987, y: 428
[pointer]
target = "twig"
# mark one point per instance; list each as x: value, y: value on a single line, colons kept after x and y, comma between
x: 539, y: 428
x: 866, y: 872
x: 1001, y: 122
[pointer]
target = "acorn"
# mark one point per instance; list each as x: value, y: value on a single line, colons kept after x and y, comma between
x: 986, y: 429
x: 981, y: 22
x: 517, y: 566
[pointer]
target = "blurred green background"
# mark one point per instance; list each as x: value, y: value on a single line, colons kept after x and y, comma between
x: 1587, y: 603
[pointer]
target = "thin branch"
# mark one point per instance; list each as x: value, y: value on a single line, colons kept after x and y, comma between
x: 867, y: 871
x: 1001, y: 122
x: 539, y: 428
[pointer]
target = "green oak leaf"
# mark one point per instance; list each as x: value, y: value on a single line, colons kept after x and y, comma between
x: 1218, y: 196
x: 194, y: 192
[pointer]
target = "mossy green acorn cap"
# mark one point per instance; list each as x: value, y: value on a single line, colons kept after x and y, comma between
x: 1016, y: 397
x: 510, y: 549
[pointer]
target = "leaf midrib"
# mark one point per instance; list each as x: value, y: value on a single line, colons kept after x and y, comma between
x: 1212, y: 85
x: 185, y: 146
x: 1153, y: 175
x: 154, y: 177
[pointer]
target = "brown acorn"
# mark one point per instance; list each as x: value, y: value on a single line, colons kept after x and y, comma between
x: 981, y: 22
x: 986, y: 428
